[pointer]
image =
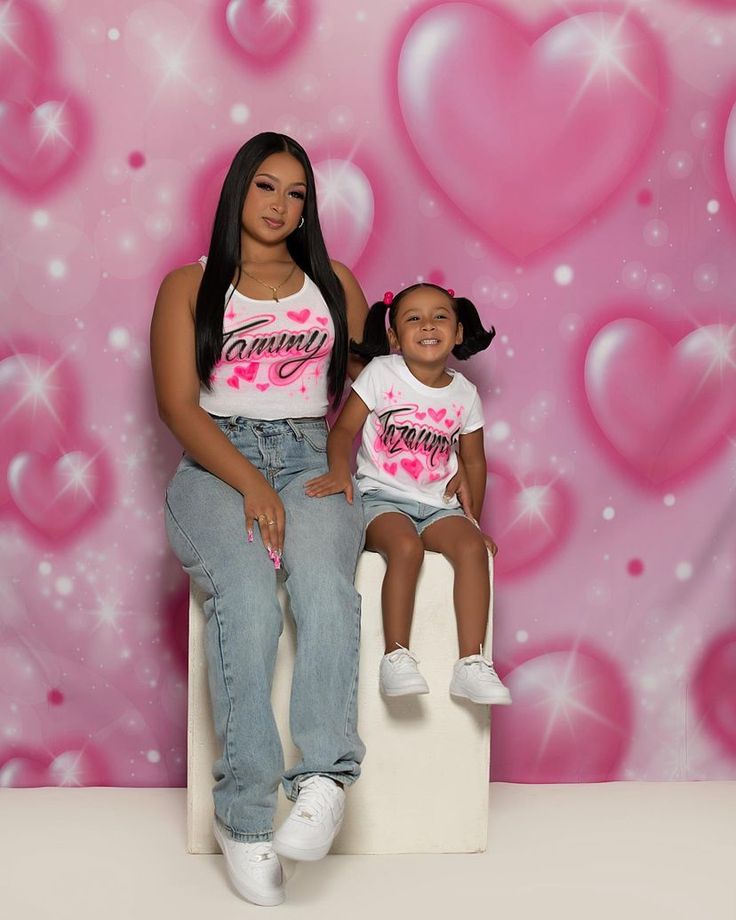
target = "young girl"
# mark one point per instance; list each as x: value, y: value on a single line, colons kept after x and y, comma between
x: 416, y: 414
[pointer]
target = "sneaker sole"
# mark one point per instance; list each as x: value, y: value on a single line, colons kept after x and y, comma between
x: 407, y: 691
x: 497, y: 700
x: 262, y: 900
x: 302, y: 854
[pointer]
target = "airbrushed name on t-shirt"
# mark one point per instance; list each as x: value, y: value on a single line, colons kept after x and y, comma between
x: 396, y: 435
x: 298, y: 348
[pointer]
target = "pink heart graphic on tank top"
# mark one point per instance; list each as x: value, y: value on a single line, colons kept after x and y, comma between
x: 262, y: 387
x: 437, y: 415
x: 390, y: 468
x: 233, y: 382
x: 420, y: 415
x: 322, y: 320
x: 413, y: 467
x: 247, y: 373
x: 300, y: 316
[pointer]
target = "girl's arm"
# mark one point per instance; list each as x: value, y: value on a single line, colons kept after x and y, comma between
x: 339, y: 445
x: 473, y: 456
x: 177, y: 394
x: 357, y: 310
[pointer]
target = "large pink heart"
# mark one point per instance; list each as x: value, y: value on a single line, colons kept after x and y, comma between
x: 38, y: 144
x: 346, y: 207
x: 570, y: 721
x: 56, y: 495
x: 527, y: 137
x: 662, y: 407
x: 528, y: 518
x: 266, y: 29
x: 26, y: 49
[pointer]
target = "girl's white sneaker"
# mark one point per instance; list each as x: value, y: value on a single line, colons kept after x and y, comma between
x: 398, y: 674
x: 253, y: 868
x: 475, y: 678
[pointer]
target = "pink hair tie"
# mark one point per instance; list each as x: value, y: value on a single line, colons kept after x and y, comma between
x: 451, y: 292
x: 388, y: 298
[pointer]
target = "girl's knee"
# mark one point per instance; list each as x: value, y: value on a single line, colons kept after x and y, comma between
x: 406, y: 551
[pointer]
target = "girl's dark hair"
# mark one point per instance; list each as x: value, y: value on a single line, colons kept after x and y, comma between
x: 375, y: 337
x: 306, y: 247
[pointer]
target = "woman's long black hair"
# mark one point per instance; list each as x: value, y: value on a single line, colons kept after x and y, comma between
x: 306, y: 247
x: 375, y: 337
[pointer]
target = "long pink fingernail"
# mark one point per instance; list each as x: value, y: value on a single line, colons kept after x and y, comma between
x: 250, y: 536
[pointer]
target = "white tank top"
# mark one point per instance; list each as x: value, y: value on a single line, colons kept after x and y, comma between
x: 274, y: 357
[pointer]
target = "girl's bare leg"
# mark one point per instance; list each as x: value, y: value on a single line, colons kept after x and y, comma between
x: 394, y: 536
x: 463, y: 545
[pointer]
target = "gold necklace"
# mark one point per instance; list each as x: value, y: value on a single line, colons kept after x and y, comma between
x: 271, y: 288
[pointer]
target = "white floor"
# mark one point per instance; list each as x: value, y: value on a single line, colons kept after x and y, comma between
x: 629, y: 851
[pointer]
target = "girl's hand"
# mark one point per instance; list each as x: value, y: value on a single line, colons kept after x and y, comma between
x: 459, y: 486
x: 331, y: 483
x: 265, y: 509
x: 490, y: 543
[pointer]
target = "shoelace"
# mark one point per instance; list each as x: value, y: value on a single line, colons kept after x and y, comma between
x: 485, y: 666
x: 314, y: 798
x: 398, y: 658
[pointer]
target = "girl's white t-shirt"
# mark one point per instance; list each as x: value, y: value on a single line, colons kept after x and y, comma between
x: 409, y: 441
x: 274, y: 358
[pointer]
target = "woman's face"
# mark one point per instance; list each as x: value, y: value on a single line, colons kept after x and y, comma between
x: 275, y: 199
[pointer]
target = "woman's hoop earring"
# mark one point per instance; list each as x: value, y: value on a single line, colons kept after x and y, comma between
x: 301, y: 223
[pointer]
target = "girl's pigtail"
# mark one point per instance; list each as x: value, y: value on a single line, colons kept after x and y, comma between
x: 375, y: 337
x: 475, y: 337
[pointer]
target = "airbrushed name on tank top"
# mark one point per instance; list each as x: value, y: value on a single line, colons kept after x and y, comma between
x: 396, y: 435
x: 244, y: 349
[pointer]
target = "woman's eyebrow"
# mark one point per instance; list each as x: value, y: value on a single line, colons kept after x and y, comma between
x: 276, y: 179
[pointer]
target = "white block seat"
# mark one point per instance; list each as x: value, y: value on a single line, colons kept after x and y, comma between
x: 424, y: 781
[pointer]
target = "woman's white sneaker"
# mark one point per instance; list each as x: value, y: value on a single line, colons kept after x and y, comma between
x: 253, y: 868
x: 475, y: 678
x: 314, y: 820
x: 398, y: 674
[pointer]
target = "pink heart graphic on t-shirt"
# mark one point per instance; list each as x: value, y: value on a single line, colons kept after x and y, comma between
x: 437, y: 415
x: 449, y: 422
x: 322, y: 320
x: 262, y: 387
x: 413, y: 467
x: 233, y: 382
x: 390, y: 468
x: 247, y: 373
x: 299, y: 317
x: 433, y: 477
x: 420, y: 415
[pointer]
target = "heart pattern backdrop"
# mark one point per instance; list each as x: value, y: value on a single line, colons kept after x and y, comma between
x: 571, y: 171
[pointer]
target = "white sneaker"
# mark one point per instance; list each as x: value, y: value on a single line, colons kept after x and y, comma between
x: 398, y: 674
x: 253, y: 868
x: 475, y: 679
x: 314, y: 820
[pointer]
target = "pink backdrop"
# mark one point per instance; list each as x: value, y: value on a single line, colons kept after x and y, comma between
x: 573, y: 170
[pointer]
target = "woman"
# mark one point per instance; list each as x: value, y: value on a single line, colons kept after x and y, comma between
x: 249, y: 348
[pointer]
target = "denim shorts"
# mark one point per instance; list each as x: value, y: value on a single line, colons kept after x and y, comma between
x: 421, y: 515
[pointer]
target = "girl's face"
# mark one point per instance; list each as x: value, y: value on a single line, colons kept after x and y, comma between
x: 275, y: 199
x: 426, y: 327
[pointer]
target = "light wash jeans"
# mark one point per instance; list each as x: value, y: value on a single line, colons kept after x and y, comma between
x: 206, y: 526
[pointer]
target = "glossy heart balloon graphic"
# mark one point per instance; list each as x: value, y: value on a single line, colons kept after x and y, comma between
x: 25, y: 50
x: 527, y: 137
x: 38, y: 144
x: 662, y: 406
x: 56, y: 495
x: 729, y: 151
x: 527, y: 516
x: 266, y: 30
x: 714, y: 688
x: 570, y: 720
x: 346, y: 207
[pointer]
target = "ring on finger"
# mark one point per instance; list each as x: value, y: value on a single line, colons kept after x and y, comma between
x: 270, y: 522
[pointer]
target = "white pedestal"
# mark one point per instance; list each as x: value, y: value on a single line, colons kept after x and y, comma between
x: 424, y: 782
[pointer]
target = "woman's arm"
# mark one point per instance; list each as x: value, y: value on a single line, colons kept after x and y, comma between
x: 177, y: 393
x: 339, y: 445
x: 357, y: 310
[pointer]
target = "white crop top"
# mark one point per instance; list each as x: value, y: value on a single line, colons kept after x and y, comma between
x: 275, y: 356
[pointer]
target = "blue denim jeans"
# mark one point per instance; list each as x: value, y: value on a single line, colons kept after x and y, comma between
x: 206, y: 527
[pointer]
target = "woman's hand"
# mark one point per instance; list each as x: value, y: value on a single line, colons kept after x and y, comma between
x: 331, y: 483
x: 264, y: 508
